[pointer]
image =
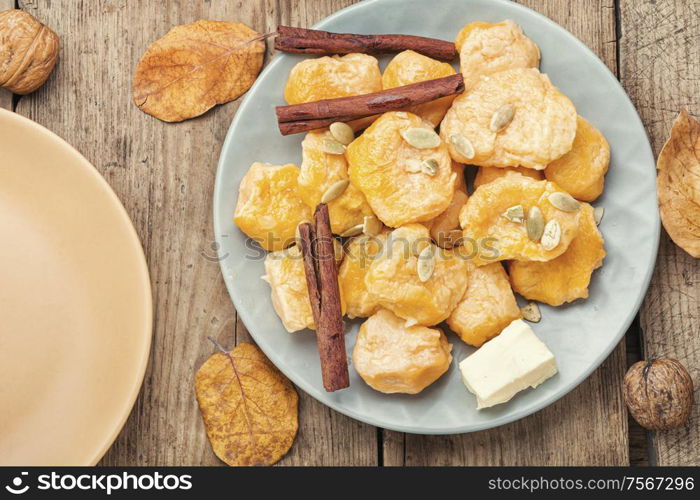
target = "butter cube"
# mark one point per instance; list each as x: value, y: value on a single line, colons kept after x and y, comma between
x: 506, y: 365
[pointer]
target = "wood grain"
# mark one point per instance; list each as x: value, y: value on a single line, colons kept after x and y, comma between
x: 164, y: 174
x: 660, y: 69
x: 586, y: 427
x: 6, y: 96
x: 5, y: 99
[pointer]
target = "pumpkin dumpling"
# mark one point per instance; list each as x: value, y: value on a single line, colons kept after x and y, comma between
x: 395, y: 280
x: 403, y: 169
x: 581, y: 171
x: 485, y: 218
x: 444, y: 229
x: 488, y: 48
x: 488, y: 305
x: 284, y: 271
x: 394, y: 358
x: 409, y: 67
x: 512, y: 118
x: 487, y: 174
x: 269, y: 208
x: 320, y: 171
x: 567, y: 277
x: 359, y: 254
x: 330, y: 77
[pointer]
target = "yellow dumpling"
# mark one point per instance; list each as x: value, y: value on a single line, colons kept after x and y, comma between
x: 567, y: 277
x: 330, y: 77
x: 389, y: 171
x: 359, y: 254
x: 409, y: 67
x: 512, y: 118
x: 487, y: 48
x: 394, y: 358
x: 444, y: 225
x: 394, y: 281
x: 581, y: 171
x: 321, y: 170
x: 488, y: 305
x: 487, y: 174
x: 482, y: 219
x: 269, y: 208
x: 284, y: 271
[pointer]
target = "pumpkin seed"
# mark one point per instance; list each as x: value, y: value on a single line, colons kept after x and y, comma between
x: 421, y: 138
x: 371, y: 225
x: 598, y: 213
x: 535, y: 223
x: 515, y: 214
x: 426, y: 264
x: 551, y: 235
x: 353, y: 231
x: 430, y: 167
x: 410, y: 322
x: 413, y: 166
x: 333, y: 147
x: 564, y: 202
x: 531, y: 312
x: 463, y: 146
x: 342, y: 132
x: 502, y: 118
x: 336, y: 189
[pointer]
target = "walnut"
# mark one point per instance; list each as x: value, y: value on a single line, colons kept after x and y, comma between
x: 28, y: 52
x: 659, y: 393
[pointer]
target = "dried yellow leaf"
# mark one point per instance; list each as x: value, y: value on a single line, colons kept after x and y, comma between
x: 250, y: 409
x: 195, y: 67
x: 678, y: 184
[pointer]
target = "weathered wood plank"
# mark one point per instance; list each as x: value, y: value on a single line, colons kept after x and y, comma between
x: 546, y: 438
x: 92, y: 111
x: 5, y: 99
x: 660, y: 69
x: 164, y: 174
x: 587, y: 427
x: 5, y: 96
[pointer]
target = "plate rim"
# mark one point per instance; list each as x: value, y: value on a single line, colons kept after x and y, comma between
x: 515, y: 415
x: 88, y: 169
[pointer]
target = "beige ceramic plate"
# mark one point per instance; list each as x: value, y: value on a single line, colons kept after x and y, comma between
x: 75, y: 303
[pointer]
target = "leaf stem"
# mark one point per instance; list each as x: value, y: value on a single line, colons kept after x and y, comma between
x: 218, y: 346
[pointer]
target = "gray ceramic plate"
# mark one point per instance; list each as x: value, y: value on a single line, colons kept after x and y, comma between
x: 581, y: 335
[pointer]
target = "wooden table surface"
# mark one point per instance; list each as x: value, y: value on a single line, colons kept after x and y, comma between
x: 164, y: 175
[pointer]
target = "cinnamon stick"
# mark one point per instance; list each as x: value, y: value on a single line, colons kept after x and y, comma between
x: 289, y: 128
x: 307, y: 238
x: 324, y: 293
x: 306, y: 41
x: 318, y: 114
